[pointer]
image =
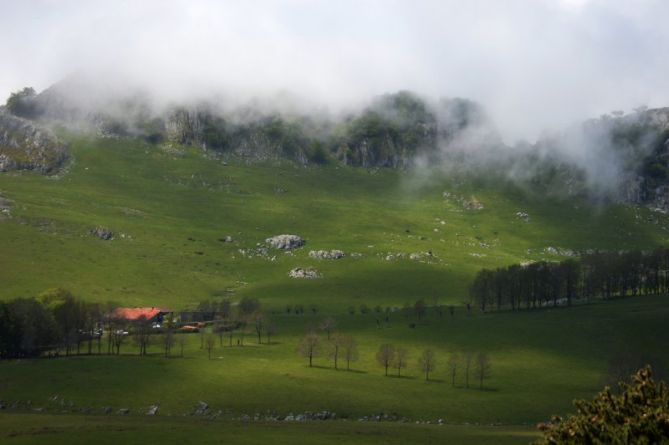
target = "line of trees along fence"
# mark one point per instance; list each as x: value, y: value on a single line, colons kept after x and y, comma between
x: 602, y: 275
x: 56, y: 323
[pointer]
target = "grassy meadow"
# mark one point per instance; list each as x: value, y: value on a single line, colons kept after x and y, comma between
x: 169, y: 209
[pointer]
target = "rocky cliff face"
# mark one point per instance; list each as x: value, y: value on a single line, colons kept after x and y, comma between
x: 622, y: 157
x: 27, y: 146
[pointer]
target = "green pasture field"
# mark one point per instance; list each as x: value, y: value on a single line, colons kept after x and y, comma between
x: 170, y: 207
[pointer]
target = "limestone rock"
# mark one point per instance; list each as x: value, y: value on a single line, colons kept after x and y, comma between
x: 299, y: 272
x: 103, y: 233
x: 326, y: 254
x: 285, y: 242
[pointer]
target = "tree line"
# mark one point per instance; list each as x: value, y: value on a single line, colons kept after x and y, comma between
x: 58, y: 323
x: 602, y: 275
x: 337, y: 347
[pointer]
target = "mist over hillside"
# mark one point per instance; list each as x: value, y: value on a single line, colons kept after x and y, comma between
x: 618, y: 156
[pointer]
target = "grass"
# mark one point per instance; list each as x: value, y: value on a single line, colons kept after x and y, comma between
x: 169, y: 209
x: 541, y: 361
x: 55, y: 429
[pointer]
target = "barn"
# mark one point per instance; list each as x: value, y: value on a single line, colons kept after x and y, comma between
x: 152, y: 314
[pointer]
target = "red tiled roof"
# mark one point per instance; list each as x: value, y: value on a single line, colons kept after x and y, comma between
x: 134, y: 313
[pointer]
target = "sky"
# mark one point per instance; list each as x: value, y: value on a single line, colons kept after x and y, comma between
x: 534, y: 65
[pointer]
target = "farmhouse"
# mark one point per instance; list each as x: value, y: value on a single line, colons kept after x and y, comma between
x: 153, y: 314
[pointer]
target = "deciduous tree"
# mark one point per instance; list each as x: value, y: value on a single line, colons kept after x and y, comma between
x: 427, y: 362
x: 385, y: 356
x: 309, y: 346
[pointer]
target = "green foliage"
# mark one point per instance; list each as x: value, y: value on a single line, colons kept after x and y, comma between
x: 22, y: 103
x: 639, y: 415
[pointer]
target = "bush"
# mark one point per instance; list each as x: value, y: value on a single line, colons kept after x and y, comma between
x: 639, y: 414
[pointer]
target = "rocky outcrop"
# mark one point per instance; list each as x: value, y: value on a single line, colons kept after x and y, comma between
x: 326, y: 254
x: 285, y: 242
x: 25, y: 145
x: 308, y: 273
x: 103, y: 233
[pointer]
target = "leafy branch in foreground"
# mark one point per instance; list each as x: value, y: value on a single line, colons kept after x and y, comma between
x: 638, y: 415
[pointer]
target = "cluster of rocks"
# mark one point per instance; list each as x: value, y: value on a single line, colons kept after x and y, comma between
x: 326, y: 254
x: 468, y: 204
x: 415, y: 256
x: 202, y: 409
x: 261, y: 252
x: 523, y: 216
x: 421, y: 256
x: 473, y: 204
x: 5, y: 208
x: 382, y: 417
x: 559, y: 251
x: 285, y: 242
x: 300, y: 272
x: 103, y: 233
x: 25, y: 145
x: 290, y: 417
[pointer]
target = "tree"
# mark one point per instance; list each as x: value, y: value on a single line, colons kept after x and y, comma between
x: 453, y: 364
x: 401, y: 359
x: 336, y: 343
x: 482, y: 367
x: 639, y: 415
x: 309, y: 346
x: 248, y: 306
x: 118, y: 336
x: 182, y: 343
x: 259, y: 324
x: 468, y: 365
x: 328, y: 325
x: 420, y: 309
x: 350, y: 348
x: 209, y: 343
x: 270, y: 329
x: 142, y: 333
x: 427, y: 362
x: 168, y: 341
x: 22, y: 103
x: 385, y: 356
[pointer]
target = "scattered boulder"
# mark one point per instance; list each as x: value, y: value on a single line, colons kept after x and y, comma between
x: 421, y: 256
x: 299, y: 272
x: 261, y: 252
x: 107, y: 410
x: 326, y: 254
x: 201, y: 409
x: 103, y: 233
x: 152, y: 411
x: 523, y: 216
x: 285, y: 242
x: 226, y: 239
x: 472, y: 204
x: 123, y: 411
x: 5, y: 208
x: 468, y: 204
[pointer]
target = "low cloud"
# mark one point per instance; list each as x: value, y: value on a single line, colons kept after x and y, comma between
x: 534, y: 65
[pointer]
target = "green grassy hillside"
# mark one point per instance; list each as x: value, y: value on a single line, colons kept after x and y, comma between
x: 169, y: 208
